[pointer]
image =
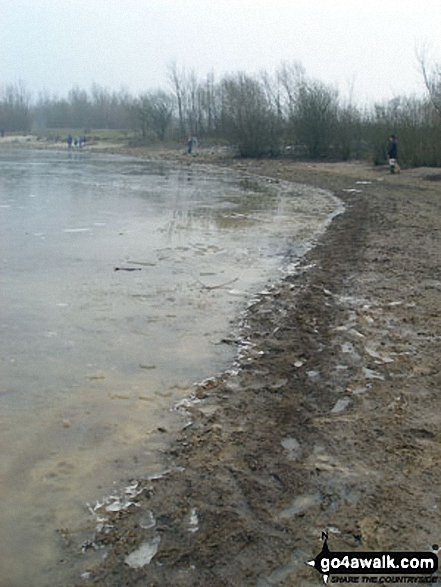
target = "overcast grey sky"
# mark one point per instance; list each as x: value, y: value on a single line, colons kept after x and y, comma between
x: 365, y: 44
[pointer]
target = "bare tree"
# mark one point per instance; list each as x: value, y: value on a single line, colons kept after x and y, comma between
x: 177, y: 82
x: 315, y: 117
x: 15, y: 112
x: 210, y: 104
x: 431, y: 75
x: 249, y: 121
x: 154, y: 111
x: 291, y: 76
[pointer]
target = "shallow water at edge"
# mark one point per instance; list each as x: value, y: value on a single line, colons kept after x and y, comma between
x: 92, y: 359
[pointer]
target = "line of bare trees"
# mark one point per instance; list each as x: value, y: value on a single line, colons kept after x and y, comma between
x: 286, y: 112
x: 15, y: 110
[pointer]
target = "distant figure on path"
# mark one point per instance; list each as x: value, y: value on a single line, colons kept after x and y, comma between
x: 192, y: 142
x: 69, y: 141
x: 392, y: 153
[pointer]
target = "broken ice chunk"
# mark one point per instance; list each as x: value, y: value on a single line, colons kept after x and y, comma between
x: 141, y: 557
x: 341, y: 405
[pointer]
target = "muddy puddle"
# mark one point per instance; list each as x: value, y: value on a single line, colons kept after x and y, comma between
x: 121, y: 284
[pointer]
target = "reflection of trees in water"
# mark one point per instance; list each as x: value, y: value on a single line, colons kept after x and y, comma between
x: 208, y: 219
x: 236, y: 221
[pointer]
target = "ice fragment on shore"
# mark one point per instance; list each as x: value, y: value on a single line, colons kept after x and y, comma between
x: 118, y: 505
x: 373, y: 353
x: 300, y: 504
x: 313, y: 374
x: 88, y: 545
x: 132, y: 490
x: 334, y: 530
x: 193, y: 525
x: 186, y: 402
x: 341, y: 405
x: 292, y: 445
x: 147, y: 520
x: 348, y: 348
x: 143, y: 556
x: 369, y: 374
x: 298, y: 364
x: 76, y: 230
x: 359, y: 390
x: 356, y: 333
x: 387, y: 360
x: 157, y: 476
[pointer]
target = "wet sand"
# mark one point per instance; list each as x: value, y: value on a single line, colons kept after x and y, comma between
x: 329, y: 420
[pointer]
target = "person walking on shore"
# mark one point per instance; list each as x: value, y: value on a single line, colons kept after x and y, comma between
x: 192, y: 142
x: 392, y: 153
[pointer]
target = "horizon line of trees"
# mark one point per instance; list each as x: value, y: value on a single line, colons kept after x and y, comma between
x: 286, y: 112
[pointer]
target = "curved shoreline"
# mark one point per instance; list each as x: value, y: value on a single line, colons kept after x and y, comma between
x: 331, y: 423
x: 288, y: 224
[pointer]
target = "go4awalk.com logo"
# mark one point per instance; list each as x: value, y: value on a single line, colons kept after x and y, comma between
x: 388, y: 568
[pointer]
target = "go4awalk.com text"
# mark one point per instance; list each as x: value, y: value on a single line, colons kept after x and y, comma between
x: 376, y: 567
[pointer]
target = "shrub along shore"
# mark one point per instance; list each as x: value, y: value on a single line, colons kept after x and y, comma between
x: 283, y: 113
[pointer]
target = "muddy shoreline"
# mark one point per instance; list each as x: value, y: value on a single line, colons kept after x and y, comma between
x: 330, y: 421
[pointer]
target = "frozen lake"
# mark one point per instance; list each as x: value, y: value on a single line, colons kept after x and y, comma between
x: 92, y: 360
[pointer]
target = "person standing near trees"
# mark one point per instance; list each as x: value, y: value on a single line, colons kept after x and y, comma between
x: 392, y: 153
x: 192, y: 142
